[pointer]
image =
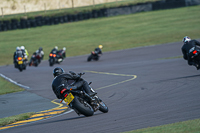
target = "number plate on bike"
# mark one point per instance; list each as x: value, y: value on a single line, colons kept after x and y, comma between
x: 20, y: 62
x: 69, y: 98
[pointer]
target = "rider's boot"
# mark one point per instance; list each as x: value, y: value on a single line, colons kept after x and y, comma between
x: 91, y: 93
x: 89, y: 90
x: 197, y: 66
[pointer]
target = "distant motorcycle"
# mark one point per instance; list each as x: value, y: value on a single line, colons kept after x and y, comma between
x: 80, y: 101
x: 20, y: 63
x: 35, y: 60
x: 54, y: 58
x: 94, y: 56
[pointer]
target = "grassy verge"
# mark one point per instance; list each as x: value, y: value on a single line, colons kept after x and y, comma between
x: 191, y: 126
x: 12, y: 119
x: 114, y: 33
x: 7, y: 87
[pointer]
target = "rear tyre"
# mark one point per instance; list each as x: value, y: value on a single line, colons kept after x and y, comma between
x: 51, y: 62
x: 36, y: 63
x: 82, y: 106
x: 20, y: 68
x: 30, y: 64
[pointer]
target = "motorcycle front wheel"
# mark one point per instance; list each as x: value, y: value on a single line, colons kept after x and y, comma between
x: 103, y: 107
x: 89, y: 58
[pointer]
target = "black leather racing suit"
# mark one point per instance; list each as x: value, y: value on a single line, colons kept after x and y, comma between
x: 68, y: 79
x: 98, y: 51
x: 186, y: 50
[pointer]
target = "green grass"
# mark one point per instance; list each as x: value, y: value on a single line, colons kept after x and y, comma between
x: 12, y: 119
x: 114, y: 33
x: 191, y: 126
x: 7, y: 87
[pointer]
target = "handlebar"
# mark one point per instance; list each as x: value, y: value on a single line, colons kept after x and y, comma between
x: 73, y: 73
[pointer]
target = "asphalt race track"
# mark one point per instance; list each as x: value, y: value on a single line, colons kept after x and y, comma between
x: 143, y: 87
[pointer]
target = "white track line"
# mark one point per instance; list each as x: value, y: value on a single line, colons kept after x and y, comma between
x: 14, y: 82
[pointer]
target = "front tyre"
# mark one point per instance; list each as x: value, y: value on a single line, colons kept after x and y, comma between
x: 103, y: 107
x: 82, y: 106
x: 89, y: 58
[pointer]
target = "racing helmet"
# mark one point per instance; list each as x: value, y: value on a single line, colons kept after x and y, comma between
x: 22, y: 48
x: 57, y: 71
x: 186, y: 38
x: 64, y: 48
x: 40, y: 49
x: 17, y: 48
x: 56, y: 47
x: 100, y: 46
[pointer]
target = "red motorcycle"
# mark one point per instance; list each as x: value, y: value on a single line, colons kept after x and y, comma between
x: 35, y: 60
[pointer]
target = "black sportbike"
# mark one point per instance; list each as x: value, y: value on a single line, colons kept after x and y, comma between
x: 81, y: 102
x: 20, y: 63
x: 93, y: 56
x: 54, y: 58
x: 35, y: 60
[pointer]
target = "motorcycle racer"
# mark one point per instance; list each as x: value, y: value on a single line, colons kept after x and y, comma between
x: 187, y: 47
x: 60, y: 77
x: 25, y: 52
x: 98, y: 49
x: 61, y: 53
x: 54, y: 50
x: 37, y: 55
x: 16, y: 54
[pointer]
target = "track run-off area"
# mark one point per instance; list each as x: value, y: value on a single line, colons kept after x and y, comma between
x: 142, y: 87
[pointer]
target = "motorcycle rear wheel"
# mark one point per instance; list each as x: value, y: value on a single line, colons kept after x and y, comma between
x: 20, y: 68
x: 82, y: 106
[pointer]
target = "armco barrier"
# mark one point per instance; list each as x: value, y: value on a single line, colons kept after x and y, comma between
x: 192, y: 2
x: 106, y: 12
x: 129, y: 9
x: 168, y: 5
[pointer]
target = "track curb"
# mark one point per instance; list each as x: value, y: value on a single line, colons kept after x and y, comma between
x: 39, y: 116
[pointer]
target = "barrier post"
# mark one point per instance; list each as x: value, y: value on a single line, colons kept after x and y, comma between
x: 45, y: 7
x: 25, y: 10
x: 73, y: 4
x: 2, y: 12
x: 59, y: 5
x: 93, y: 3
